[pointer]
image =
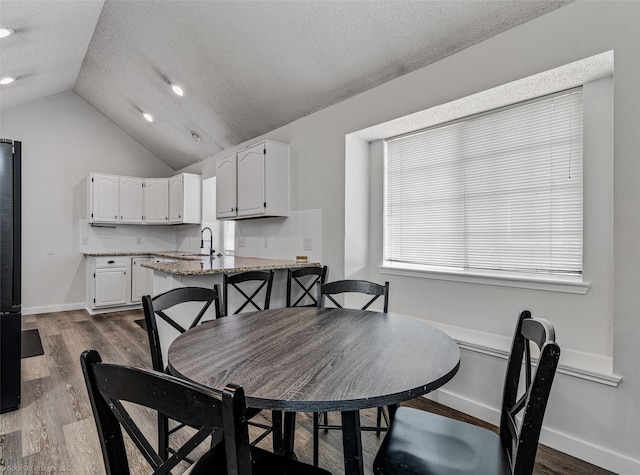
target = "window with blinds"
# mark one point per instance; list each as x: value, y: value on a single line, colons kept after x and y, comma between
x: 498, y: 192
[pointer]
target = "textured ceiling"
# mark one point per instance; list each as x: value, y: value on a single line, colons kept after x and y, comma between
x: 249, y: 67
x: 46, y: 52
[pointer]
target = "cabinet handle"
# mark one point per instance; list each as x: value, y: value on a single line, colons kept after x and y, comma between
x: 111, y: 262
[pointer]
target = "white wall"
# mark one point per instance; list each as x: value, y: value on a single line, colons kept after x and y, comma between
x: 63, y: 139
x: 596, y: 422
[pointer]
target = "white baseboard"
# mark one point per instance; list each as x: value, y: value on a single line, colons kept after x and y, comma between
x: 568, y: 444
x: 53, y: 308
x: 97, y: 311
x: 76, y: 306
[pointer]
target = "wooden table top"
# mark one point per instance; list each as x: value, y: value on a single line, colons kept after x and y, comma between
x: 317, y: 359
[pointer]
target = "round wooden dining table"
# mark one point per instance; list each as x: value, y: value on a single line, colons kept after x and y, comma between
x: 309, y: 359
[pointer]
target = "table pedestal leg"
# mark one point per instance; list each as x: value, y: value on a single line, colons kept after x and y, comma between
x: 277, y: 435
x: 289, y: 434
x: 352, y: 443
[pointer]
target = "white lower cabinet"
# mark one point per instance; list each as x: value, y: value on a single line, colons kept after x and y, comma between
x: 118, y: 281
x: 111, y: 282
x: 141, y: 278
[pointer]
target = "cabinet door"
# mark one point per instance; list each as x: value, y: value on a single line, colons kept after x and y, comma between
x: 156, y: 201
x: 226, y: 199
x: 141, y: 278
x: 251, y: 176
x: 104, y: 198
x: 176, y: 199
x: 130, y: 200
x: 111, y: 287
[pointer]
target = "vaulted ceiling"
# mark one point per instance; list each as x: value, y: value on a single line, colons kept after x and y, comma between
x: 246, y: 67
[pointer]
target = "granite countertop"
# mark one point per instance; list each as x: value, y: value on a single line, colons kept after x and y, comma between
x: 185, y: 255
x: 220, y: 265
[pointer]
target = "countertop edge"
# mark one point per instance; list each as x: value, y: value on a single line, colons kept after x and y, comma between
x: 245, y: 265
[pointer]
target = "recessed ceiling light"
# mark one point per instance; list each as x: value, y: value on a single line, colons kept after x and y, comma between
x: 148, y: 117
x: 7, y: 80
x: 177, y: 90
x: 4, y: 32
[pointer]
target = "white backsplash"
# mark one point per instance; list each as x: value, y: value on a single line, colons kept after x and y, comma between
x: 127, y: 238
x: 281, y: 238
x: 272, y: 238
x: 188, y: 237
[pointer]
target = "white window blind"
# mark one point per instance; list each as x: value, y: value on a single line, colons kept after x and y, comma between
x: 498, y: 192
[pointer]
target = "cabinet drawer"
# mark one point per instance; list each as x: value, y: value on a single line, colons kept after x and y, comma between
x: 107, y: 262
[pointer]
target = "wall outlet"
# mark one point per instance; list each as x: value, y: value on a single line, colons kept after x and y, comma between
x: 139, y: 241
x: 241, y: 242
x: 307, y: 244
x: 85, y: 241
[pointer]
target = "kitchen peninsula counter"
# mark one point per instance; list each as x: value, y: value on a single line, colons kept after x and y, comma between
x: 223, y: 264
x: 207, y: 272
x: 117, y: 280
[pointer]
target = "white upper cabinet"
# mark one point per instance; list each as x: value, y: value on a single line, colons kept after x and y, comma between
x: 226, y: 186
x: 251, y: 181
x: 131, y: 200
x: 156, y: 200
x: 185, y: 199
x: 104, y: 198
x: 255, y: 184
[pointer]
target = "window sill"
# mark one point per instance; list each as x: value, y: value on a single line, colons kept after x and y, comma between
x: 553, y: 284
x: 587, y: 366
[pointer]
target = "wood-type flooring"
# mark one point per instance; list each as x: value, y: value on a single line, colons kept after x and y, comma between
x: 54, y: 432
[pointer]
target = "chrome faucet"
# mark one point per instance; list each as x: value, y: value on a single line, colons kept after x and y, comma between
x: 211, y: 251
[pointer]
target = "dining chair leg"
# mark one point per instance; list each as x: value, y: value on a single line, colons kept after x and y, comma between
x: 316, y: 433
x: 163, y: 436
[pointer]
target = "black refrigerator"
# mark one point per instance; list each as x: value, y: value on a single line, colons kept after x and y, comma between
x: 10, y: 257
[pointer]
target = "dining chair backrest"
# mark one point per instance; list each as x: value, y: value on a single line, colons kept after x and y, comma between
x: 247, y: 288
x: 172, y: 313
x: 302, y: 282
x: 520, y: 440
x: 330, y: 289
x: 109, y: 385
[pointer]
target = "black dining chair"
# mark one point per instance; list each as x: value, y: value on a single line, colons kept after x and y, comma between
x: 301, y: 285
x: 224, y: 416
x: 327, y: 292
x: 420, y: 442
x: 167, y: 316
x: 248, y: 286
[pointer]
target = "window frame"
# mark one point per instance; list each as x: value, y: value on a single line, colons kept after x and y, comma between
x: 539, y: 281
